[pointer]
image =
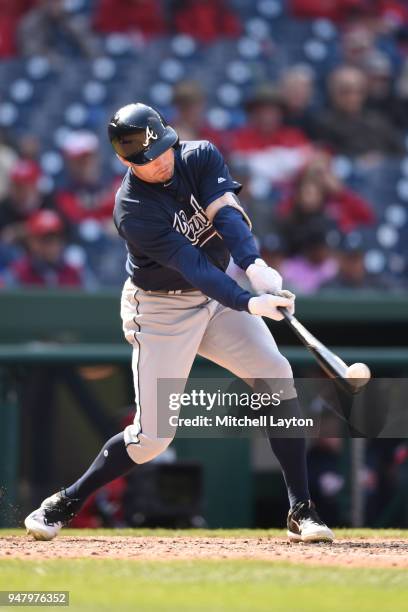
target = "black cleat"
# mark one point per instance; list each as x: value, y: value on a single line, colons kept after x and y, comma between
x: 55, y: 512
x: 305, y: 525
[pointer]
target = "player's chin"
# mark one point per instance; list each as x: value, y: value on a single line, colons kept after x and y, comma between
x: 165, y: 175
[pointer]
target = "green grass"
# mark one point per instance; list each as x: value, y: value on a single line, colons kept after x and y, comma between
x: 211, y: 585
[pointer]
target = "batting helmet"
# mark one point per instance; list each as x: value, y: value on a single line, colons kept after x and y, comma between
x: 140, y: 134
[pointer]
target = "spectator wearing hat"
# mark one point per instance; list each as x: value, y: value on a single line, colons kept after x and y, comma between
x: 25, y: 197
x: 347, y: 127
x: 351, y: 270
x: 270, y: 148
x: 86, y: 201
x: 266, y: 111
x: 44, y: 264
x: 85, y: 194
x: 189, y: 103
x: 316, y: 192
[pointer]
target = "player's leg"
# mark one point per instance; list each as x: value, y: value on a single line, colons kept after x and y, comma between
x: 165, y: 332
x: 58, y: 509
x: 244, y: 345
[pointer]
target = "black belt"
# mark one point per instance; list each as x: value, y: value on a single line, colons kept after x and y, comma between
x: 172, y: 291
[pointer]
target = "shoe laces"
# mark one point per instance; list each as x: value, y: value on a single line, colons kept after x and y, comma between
x: 305, y: 511
x: 61, y: 510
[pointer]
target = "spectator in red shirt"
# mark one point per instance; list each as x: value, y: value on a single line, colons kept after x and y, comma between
x: 318, y: 191
x: 44, y: 264
x: 394, y: 13
x: 86, y: 201
x: 206, y: 20
x: 25, y: 197
x: 335, y: 10
x: 190, y: 104
x: 11, y: 11
x: 271, y: 148
x: 8, y: 26
x: 85, y: 195
x: 143, y: 16
x: 265, y: 127
x: 16, y: 7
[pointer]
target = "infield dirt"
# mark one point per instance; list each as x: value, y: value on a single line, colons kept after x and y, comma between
x: 354, y: 552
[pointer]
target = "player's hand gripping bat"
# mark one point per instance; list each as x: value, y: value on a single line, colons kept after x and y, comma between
x: 353, y: 377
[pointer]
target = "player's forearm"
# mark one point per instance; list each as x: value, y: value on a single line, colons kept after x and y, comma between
x: 237, y: 236
x: 231, y: 223
x: 201, y: 273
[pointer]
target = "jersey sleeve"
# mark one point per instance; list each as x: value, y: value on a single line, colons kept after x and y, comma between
x: 171, y: 249
x: 214, y: 178
x: 236, y: 234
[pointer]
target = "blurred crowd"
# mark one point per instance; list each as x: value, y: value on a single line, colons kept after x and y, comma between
x: 310, y: 147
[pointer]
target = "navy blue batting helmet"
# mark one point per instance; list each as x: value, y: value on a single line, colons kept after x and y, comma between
x: 139, y: 133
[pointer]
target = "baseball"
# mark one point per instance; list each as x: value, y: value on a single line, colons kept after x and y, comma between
x: 358, y: 370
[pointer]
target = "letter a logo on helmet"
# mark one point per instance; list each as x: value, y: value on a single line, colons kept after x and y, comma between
x: 139, y: 133
x: 150, y: 135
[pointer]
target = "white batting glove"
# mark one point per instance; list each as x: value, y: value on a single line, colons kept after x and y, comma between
x: 263, y: 278
x: 266, y: 305
x: 291, y: 296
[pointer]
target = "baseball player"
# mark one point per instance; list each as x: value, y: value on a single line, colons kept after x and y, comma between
x: 178, y: 211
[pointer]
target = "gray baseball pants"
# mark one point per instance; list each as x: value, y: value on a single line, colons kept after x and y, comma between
x: 167, y: 331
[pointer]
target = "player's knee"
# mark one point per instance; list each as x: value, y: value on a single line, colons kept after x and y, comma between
x: 142, y: 448
x: 280, y: 367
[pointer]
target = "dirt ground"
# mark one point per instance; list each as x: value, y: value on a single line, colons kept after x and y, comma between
x: 367, y: 552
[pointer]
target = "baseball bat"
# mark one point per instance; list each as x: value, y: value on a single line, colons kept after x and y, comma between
x: 330, y: 363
